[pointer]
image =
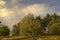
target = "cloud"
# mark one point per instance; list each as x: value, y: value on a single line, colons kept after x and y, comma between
x: 21, y: 3
x: 15, y: 14
x: 6, y: 17
x: 4, y: 12
x: 35, y: 9
x: 2, y: 3
x: 12, y: 11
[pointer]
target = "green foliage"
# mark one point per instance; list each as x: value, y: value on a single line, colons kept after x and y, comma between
x: 4, y: 31
x: 46, y: 20
x: 16, y: 30
x: 30, y: 26
x: 54, y: 29
x: 34, y: 26
x: 25, y: 23
x: 54, y: 25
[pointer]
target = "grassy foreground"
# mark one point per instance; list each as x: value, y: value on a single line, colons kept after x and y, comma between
x: 31, y: 38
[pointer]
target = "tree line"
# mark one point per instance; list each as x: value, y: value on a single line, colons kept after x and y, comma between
x: 35, y: 26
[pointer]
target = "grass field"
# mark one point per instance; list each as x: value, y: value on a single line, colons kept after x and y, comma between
x: 31, y: 38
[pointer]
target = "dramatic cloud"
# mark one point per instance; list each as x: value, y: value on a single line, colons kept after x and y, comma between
x: 2, y: 3
x: 35, y: 9
x: 5, y: 12
x: 12, y: 11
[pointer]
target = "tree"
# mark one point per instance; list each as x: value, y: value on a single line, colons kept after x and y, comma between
x: 54, y: 29
x: 45, y: 22
x: 16, y: 30
x: 30, y: 26
x: 49, y: 20
x: 26, y: 21
x: 38, y: 18
x: 54, y: 25
x: 55, y: 16
x: 4, y: 31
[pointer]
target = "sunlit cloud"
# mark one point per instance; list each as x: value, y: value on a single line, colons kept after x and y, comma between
x: 5, y: 12
x: 34, y: 9
x: 12, y: 11
x: 2, y: 3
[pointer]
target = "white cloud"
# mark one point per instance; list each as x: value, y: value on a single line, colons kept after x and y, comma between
x: 35, y: 9
x: 13, y: 15
x: 5, y: 12
x: 2, y: 3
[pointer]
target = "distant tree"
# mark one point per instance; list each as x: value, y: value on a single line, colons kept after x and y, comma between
x: 4, y: 31
x: 38, y: 18
x: 54, y: 29
x: 16, y: 30
x: 55, y: 16
x: 26, y: 21
x: 47, y: 19
x: 31, y: 26
x: 45, y: 22
x: 54, y: 25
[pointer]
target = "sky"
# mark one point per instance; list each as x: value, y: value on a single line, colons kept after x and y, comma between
x: 12, y: 11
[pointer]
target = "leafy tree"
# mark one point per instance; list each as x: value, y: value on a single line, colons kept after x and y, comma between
x: 48, y: 21
x: 26, y: 21
x: 55, y: 16
x: 54, y: 25
x: 16, y: 30
x: 30, y: 26
x: 54, y: 29
x: 38, y: 18
x: 45, y: 22
x: 4, y: 31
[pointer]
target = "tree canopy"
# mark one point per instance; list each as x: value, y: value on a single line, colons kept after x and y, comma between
x: 4, y: 31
